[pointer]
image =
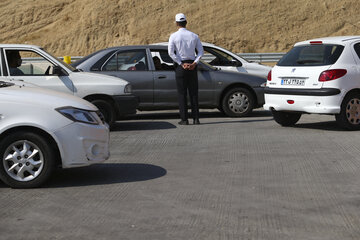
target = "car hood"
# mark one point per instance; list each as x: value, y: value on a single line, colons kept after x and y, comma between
x: 17, y: 82
x: 86, y: 83
x: 41, y: 97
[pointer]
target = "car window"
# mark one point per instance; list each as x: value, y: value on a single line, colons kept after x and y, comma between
x: 28, y: 63
x: 357, y: 49
x: 133, y: 60
x: 312, y: 55
x: 216, y: 57
x: 162, y: 61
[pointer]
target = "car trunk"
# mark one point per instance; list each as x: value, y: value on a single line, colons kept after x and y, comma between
x: 302, y: 65
x: 297, y: 77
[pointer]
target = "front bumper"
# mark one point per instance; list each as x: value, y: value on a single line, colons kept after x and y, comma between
x: 83, y: 144
x: 322, y: 101
x: 126, y: 104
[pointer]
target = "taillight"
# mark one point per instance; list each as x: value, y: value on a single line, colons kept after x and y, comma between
x: 333, y: 74
x: 269, y: 76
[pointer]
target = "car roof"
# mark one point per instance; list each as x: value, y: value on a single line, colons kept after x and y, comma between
x: 206, y: 44
x: 130, y: 47
x: 18, y: 46
x: 342, y: 40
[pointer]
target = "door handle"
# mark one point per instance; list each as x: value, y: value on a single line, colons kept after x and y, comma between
x: 161, y: 76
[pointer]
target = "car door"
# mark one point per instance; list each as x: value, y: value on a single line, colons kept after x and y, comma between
x: 31, y: 66
x: 223, y: 60
x: 132, y: 65
x: 165, y: 90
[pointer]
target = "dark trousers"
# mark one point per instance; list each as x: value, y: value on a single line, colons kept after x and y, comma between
x: 187, y: 81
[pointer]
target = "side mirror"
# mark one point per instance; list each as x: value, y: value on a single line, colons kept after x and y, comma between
x: 201, y: 67
x: 59, y: 71
x: 235, y: 63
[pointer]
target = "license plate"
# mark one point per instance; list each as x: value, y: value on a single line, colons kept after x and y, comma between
x: 293, y: 81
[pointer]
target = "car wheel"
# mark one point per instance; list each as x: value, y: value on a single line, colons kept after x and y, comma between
x: 27, y: 160
x: 349, y: 117
x: 286, y: 119
x: 106, y: 109
x: 238, y: 102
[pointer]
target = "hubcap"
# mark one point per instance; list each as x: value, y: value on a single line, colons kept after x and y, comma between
x: 23, y: 161
x: 353, y: 111
x: 238, y: 102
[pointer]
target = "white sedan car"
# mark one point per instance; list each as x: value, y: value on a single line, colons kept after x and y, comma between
x: 41, y: 129
x: 226, y: 60
x: 317, y: 76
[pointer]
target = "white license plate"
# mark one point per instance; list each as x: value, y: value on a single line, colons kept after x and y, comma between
x: 293, y: 81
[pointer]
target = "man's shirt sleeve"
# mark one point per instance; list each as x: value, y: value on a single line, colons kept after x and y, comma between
x: 171, y: 51
x: 200, y: 50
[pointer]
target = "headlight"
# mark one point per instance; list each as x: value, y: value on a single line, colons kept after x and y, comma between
x: 80, y: 115
x: 128, y: 88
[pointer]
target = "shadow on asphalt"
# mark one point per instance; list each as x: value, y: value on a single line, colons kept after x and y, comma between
x: 103, y: 174
x: 135, y: 126
x: 328, y: 126
x: 203, y: 114
x: 126, y: 125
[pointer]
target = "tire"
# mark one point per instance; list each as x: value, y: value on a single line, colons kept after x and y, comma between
x: 286, y: 119
x: 349, y: 117
x: 106, y: 109
x: 27, y: 160
x: 238, y: 102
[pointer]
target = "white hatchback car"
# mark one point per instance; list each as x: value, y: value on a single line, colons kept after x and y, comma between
x: 41, y: 129
x: 317, y: 76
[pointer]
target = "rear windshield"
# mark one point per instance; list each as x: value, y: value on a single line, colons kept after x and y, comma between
x: 312, y: 55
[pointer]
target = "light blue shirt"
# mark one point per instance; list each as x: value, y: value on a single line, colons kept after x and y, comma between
x: 182, y: 45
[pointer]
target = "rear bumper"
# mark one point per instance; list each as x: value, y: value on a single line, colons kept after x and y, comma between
x: 303, y: 92
x: 126, y: 104
x: 322, y: 104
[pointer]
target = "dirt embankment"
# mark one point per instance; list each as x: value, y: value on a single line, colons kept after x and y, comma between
x: 79, y: 27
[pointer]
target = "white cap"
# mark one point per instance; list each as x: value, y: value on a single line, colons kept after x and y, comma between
x: 180, y: 17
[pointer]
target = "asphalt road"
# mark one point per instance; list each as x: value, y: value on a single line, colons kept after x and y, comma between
x: 227, y: 178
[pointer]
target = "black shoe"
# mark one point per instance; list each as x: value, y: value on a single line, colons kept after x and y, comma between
x: 196, y: 121
x: 184, y: 122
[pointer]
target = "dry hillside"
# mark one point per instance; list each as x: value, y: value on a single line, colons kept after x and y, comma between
x: 79, y: 27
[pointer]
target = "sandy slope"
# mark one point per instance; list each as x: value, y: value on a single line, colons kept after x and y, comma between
x: 79, y: 27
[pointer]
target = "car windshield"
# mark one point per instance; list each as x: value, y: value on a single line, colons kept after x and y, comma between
x: 312, y: 55
x: 62, y: 62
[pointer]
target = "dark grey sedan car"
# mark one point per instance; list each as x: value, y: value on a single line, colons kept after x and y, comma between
x: 150, y: 71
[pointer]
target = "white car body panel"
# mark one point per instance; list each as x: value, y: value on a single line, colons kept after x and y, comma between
x: 35, y: 107
x: 348, y: 60
x: 80, y: 84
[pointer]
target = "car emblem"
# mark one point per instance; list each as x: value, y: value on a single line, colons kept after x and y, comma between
x: 293, y: 70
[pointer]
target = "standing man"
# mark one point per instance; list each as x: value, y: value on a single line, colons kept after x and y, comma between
x: 182, y: 46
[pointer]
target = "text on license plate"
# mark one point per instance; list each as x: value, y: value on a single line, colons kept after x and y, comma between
x: 293, y: 81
